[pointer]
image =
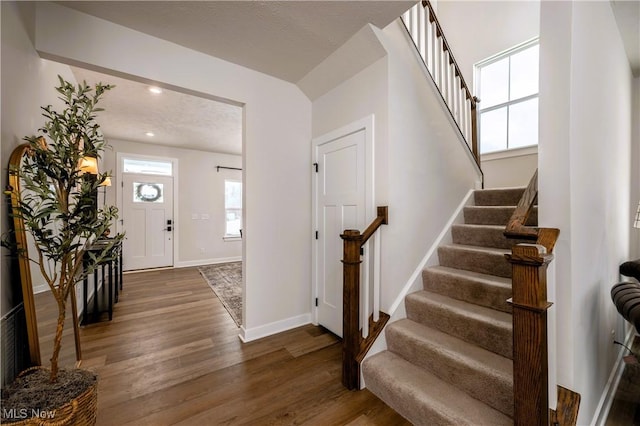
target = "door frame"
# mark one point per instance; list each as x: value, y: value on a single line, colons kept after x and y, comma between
x: 368, y: 125
x: 120, y: 156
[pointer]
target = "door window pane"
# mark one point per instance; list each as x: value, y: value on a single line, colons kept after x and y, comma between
x: 144, y: 192
x: 523, y: 123
x: 493, y: 130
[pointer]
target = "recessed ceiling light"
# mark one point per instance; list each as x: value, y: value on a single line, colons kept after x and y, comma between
x: 155, y: 90
x: 150, y: 134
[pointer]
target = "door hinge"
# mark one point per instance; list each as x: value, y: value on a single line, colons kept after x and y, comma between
x: 361, y: 251
x: 316, y: 235
x: 316, y: 166
x: 316, y: 301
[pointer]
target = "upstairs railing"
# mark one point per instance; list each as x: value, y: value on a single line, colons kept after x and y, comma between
x: 427, y: 35
x: 530, y: 305
x: 362, y: 319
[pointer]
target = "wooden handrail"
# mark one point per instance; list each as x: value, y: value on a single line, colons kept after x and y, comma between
x: 354, y: 346
x: 517, y: 228
x: 529, y: 303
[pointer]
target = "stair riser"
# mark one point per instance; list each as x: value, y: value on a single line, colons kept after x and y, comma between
x: 484, y: 237
x: 468, y: 290
x: 494, y: 216
x: 476, y: 261
x: 498, y: 197
x: 492, y: 389
x: 487, y: 335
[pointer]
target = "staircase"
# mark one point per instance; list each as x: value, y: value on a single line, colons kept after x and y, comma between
x: 449, y: 361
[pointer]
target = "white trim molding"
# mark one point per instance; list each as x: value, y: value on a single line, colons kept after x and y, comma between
x: 255, y: 333
x: 200, y: 262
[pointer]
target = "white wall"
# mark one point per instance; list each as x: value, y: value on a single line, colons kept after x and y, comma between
x: 276, y: 170
x: 634, y: 242
x: 200, y: 190
x: 510, y: 170
x: 27, y: 84
x: 585, y: 145
x: 422, y: 169
x: 430, y: 169
x: 360, y: 96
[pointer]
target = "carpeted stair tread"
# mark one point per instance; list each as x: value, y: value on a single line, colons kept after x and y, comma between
x: 473, y: 287
x: 482, y: 374
x: 485, y: 260
x: 498, y: 196
x: 495, y: 215
x: 483, y: 235
x: 485, y: 327
x: 422, y: 398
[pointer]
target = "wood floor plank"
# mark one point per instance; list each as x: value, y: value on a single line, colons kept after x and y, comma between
x: 172, y: 356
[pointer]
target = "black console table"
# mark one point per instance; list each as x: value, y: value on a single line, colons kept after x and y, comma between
x: 111, y: 274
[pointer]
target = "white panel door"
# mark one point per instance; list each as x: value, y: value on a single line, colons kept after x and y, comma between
x: 340, y: 205
x: 147, y: 219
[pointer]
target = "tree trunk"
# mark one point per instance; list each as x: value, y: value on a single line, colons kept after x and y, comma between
x: 57, y: 341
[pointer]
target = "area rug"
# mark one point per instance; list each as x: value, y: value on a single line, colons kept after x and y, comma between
x: 225, y: 279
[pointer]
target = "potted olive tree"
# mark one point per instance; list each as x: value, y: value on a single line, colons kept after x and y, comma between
x: 58, y: 206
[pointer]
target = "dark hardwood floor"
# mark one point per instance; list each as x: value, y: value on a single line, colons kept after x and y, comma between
x: 171, y: 355
x: 625, y: 410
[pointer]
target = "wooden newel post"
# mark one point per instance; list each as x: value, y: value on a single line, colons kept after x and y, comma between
x: 350, y: 304
x: 530, y: 363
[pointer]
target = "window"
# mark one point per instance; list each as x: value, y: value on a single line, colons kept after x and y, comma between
x: 507, y: 85
x: 144, y: 192
x: 147, y: 167
x: 233, y: 207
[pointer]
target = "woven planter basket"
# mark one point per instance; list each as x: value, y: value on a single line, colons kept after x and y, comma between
x: 80, y: 411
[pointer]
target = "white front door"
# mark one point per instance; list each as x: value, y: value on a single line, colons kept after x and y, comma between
x: 147, y: 219
x: 339, y: 204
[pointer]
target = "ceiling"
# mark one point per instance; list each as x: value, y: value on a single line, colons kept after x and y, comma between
x: 174, y: 118
x: 627, y: 14
x: 285, y: 39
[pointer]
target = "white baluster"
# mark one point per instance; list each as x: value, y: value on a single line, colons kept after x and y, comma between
x: 376, y: 275
x: 445, y: 77
x: 435, y: 51
x: 429, y: 33
x: 465, y: 116
x: 364, y: 292
x: 414, y: 23
x: 422, y: 36
x: 451, y: 82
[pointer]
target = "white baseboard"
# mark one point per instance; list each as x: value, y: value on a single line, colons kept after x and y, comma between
x: 255, y: 333
x: 190, y: 263
x: 609, y: 392
x: 41, y: 288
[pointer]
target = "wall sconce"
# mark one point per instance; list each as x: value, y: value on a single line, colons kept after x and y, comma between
x: 106, y: 182
x: 636, y: 222
x: 88, y: 165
